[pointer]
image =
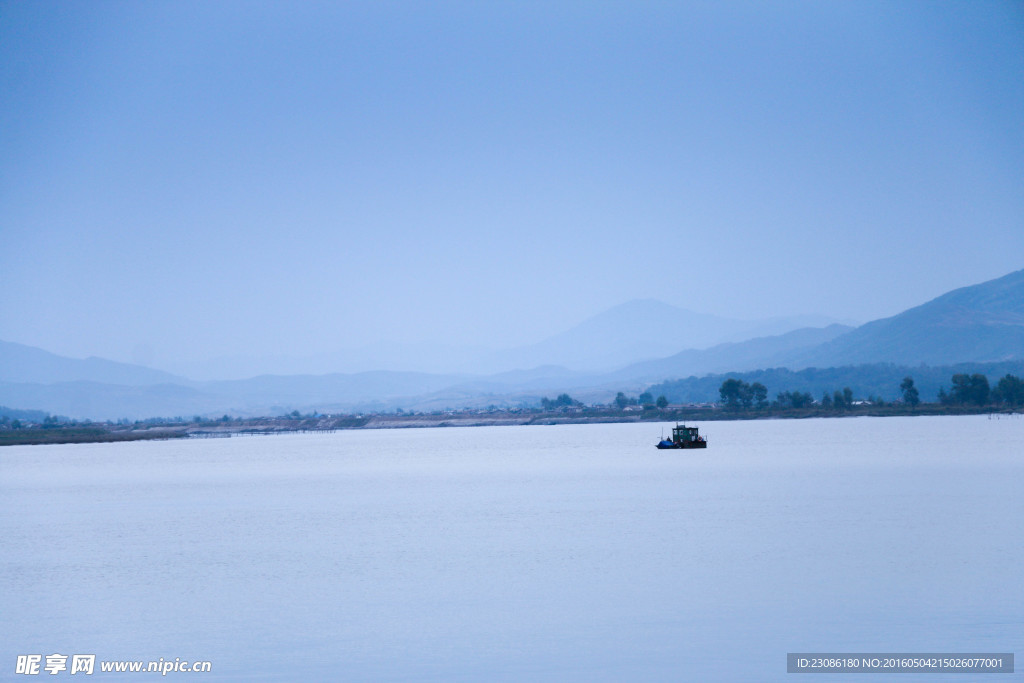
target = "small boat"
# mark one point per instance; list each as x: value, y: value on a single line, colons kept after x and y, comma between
x: 684, y: 437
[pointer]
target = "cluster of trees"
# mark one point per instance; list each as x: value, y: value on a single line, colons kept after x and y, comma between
x: 1010, y: 390
x: 911, y: 396
x: 967, y: 390
x: 737, y: 394
x: 975, y: 390
x: 794, y: 399
x: 645, y: 399
x: 971, y: 390
x: 839, y: 400
x: 48, y: 422
x: 622, y: 401
x: 294, y: 415
x: 562, y: 401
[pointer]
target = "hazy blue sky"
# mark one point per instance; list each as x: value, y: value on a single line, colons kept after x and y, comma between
x: 193, y: 178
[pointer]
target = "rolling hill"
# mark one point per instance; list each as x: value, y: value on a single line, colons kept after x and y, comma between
x: 27, y: 364
x: 981, y: 323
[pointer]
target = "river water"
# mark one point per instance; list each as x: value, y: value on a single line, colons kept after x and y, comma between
x: 560, y: 553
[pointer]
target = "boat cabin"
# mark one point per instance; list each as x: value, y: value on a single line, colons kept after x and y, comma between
x: 684, y: 437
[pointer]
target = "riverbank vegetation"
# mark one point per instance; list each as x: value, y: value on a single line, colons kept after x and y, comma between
x: 966, y: 394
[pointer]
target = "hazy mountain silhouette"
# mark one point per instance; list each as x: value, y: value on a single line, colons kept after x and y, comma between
x: 751, y: 354
x: 979, y: 323
x: 639, y: 330
x: 630, y: 332
x: 20, y: 363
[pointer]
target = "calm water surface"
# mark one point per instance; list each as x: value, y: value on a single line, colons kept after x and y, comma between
x: 524, y: 553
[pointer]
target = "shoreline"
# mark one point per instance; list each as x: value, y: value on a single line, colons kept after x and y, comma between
x: 265, y: 426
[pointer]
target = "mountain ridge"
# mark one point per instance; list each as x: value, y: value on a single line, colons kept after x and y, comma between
x: 639, y: 330
x: 982, y: 323
x: 978, y: 323
x: 22, y: 363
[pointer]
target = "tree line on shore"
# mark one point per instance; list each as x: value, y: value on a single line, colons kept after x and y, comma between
x: 736, y: 395
x: 881, y: 380
x: 965, y: 390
